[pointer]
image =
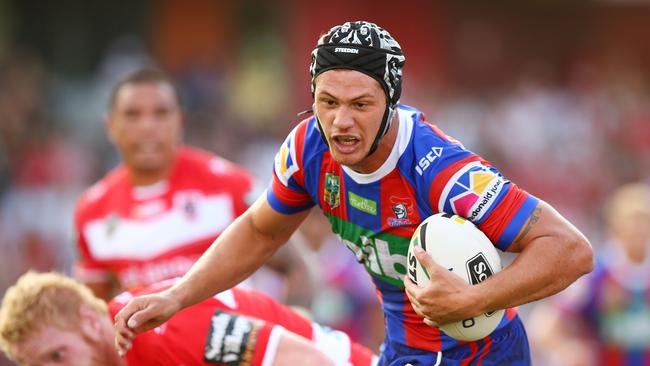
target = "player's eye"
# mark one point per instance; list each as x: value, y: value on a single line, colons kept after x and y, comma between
x: 162, y: 112
x: 131, y: 114
x: 328, y: 102
x: 57, y: 355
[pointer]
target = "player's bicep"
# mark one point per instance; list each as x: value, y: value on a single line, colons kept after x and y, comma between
x: 543, y: 221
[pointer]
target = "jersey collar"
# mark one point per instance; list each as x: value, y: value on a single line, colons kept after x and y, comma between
x: 401, y: 142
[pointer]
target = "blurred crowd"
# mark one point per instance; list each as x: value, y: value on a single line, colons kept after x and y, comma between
x: 569, y: 136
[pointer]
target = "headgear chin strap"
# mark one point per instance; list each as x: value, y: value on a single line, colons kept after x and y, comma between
x: 367, y: 48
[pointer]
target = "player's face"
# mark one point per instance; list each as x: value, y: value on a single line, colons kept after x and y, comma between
x: 50, y: 346
x: 633, y: 231
x: 350, y: 106
x: 145, y: 125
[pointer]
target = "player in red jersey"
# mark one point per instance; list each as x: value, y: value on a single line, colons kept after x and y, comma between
x: 50, y: 319
x: 151, y: 217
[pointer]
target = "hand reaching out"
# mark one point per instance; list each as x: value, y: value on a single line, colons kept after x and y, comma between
x: 142, y: 314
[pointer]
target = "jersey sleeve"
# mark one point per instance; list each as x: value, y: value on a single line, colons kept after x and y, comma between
x: 86, y: 269
x: 465, y: 184
x: 286, y: 192
x: 239, y: 182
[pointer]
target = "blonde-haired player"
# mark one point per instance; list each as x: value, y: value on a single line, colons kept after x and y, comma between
x: 50, y: 319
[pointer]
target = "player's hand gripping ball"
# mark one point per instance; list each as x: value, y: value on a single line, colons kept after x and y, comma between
x: 458, y: 245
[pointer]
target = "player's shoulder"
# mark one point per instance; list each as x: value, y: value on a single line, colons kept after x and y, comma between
x: 423, y: 130
x: 302, y: 145
x: 305, y: 139
x: 428, y: 149
x: 95, y: 196
x: 210, y: 165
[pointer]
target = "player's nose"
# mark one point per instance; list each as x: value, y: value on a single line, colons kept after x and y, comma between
x: 343, y: 118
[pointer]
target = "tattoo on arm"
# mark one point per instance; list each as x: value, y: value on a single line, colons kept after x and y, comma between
x: 532, y: 220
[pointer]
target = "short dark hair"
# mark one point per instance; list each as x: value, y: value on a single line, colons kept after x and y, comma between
x: 143, y: 76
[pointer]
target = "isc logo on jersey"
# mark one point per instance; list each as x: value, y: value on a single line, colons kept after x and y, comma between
x: 285, y: 160
x: 472, y: 191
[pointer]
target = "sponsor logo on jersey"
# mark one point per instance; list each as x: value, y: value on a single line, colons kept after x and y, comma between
x: 154, y: 271
x: 332, y: 194
x: 362, y: 204
x: 285, y: 163
x: 231, y: 339
x: 425, y: 162
x: 472, y: 191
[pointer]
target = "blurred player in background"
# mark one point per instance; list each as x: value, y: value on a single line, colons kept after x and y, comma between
x: 377, y: 169
x: 47, y: 318
x: 604, y: 318
x: 151, y: 217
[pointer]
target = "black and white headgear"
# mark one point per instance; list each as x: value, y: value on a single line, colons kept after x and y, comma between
x: 368, y: 48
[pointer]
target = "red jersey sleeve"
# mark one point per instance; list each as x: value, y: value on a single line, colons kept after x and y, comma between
x: 86, y: 269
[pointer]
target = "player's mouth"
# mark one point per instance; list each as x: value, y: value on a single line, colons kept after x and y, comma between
x: 147, y: 147
x: 346, y: 144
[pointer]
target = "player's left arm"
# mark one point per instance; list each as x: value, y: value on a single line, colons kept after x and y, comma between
x: 552, y: 255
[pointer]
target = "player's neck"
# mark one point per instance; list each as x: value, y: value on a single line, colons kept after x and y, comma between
x: 373, y: 162
x: 142, y: 177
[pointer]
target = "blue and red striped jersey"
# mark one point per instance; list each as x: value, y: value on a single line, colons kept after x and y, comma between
x: 376, y: 214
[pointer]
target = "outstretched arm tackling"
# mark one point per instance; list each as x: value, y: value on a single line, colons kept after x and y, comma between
x: 242, y: 248
x: 553, y: 254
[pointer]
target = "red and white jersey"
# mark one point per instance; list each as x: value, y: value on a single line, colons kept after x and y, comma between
x: 236, y: 327
x: 142, y: 235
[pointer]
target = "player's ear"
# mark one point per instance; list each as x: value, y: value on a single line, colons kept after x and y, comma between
x: 90, y: 322
x: 109, y: 126
x: 182, y: 120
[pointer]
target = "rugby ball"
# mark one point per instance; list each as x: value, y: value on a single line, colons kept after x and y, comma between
x: 456, y: 244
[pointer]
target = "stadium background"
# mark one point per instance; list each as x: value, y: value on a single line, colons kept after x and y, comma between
x: 555, y: 93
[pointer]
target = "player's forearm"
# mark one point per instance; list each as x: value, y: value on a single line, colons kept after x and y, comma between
x: 236, y: 254
x: 548, y: 265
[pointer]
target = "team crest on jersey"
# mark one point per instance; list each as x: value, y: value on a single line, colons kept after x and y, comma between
x: 332, y: 194
x: 472, y: 191
x: 402, y: 209
x: 285, y: 160
x: 188, y: 201
x: 190, y: 209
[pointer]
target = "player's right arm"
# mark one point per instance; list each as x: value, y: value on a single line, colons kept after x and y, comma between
x: 86, y: 269
x: 96, y: 278
x: 242, y: 248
